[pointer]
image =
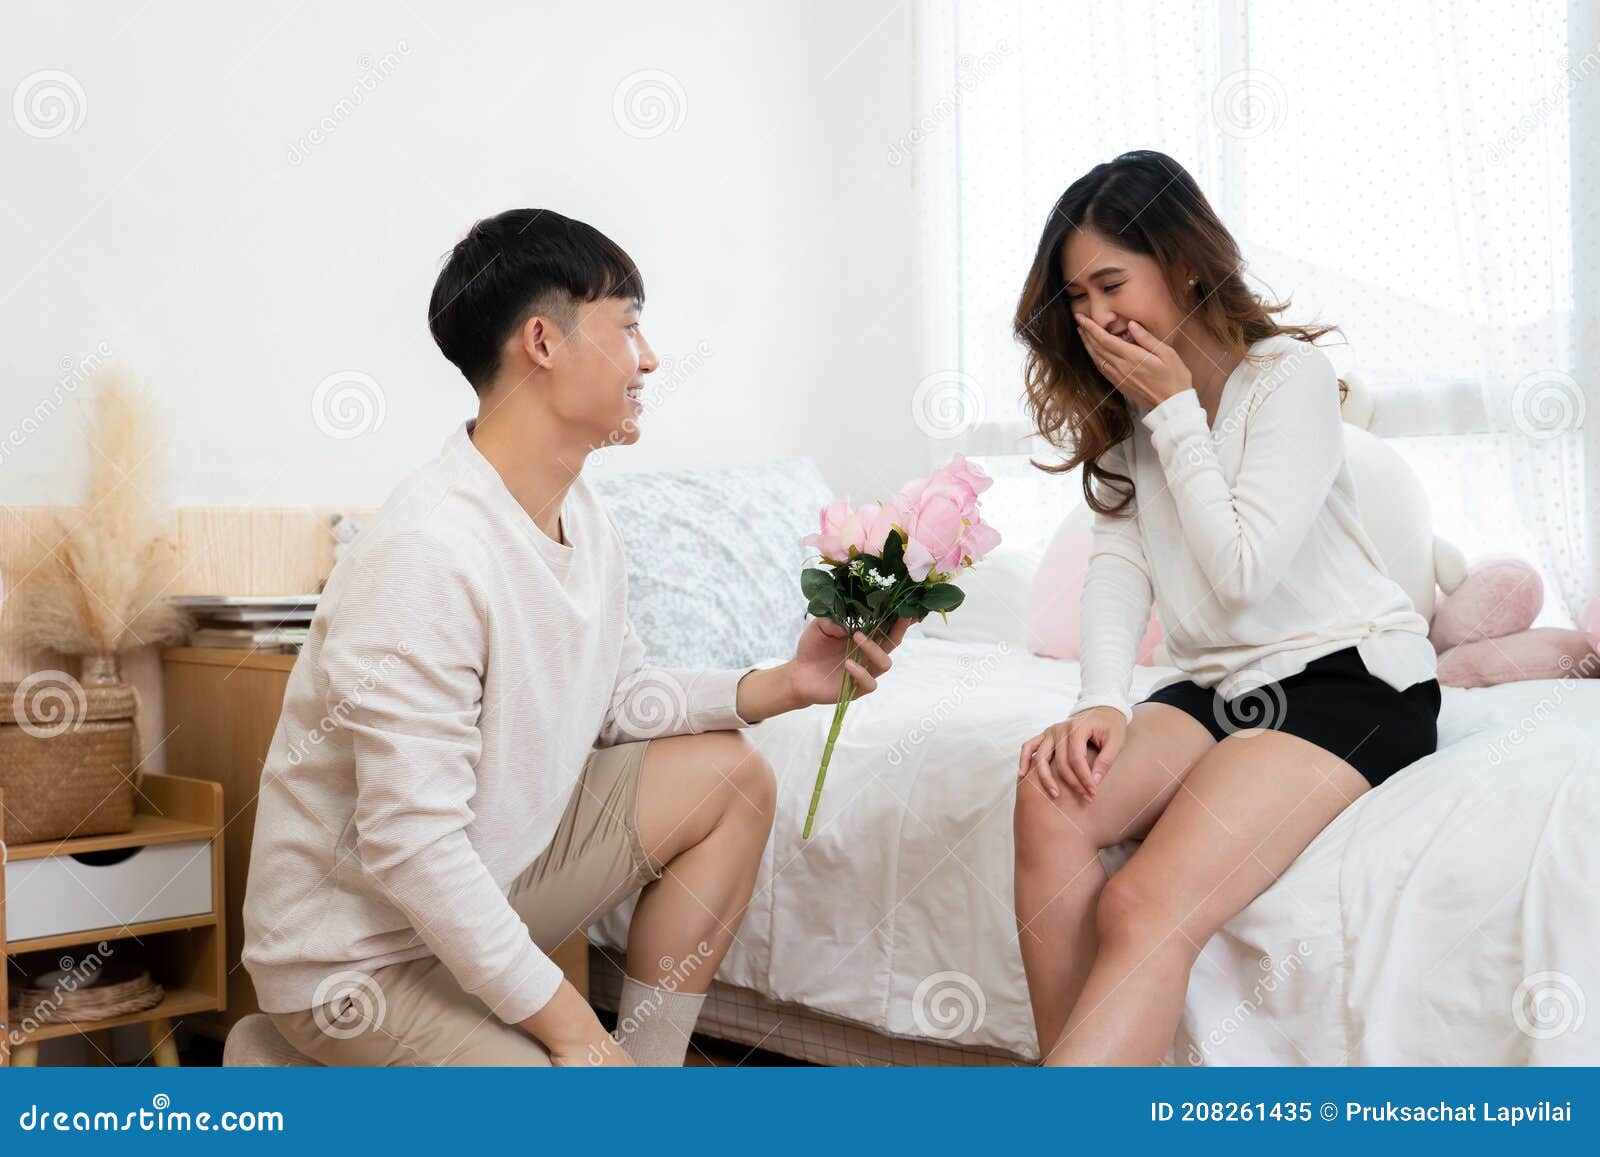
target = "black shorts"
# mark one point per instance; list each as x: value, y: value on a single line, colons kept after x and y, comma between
x: 1335, y: 703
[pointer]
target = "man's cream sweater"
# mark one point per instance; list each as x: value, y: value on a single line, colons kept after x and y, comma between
x: 460, y: 668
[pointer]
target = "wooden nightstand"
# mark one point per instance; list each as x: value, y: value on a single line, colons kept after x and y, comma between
x: 161, y: 899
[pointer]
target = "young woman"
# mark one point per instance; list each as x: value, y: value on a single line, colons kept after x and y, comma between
x: 1212, y: 454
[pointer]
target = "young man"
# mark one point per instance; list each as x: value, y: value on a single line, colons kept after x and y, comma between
x: 473, y: 761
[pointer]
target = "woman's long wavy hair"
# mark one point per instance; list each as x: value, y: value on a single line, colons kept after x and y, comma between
x: 1147, y: 203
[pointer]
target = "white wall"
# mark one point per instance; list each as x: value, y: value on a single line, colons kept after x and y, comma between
x: 192, y: 226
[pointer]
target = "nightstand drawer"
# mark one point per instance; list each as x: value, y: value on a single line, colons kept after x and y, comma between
x: 60, y: 894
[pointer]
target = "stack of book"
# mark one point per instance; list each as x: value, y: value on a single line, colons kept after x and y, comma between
x: 260, y: 623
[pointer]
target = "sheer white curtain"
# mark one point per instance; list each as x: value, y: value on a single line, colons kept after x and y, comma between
x: 1422, y: 176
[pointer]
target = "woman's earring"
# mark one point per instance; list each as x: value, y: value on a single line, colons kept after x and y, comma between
x: 1192, y: 280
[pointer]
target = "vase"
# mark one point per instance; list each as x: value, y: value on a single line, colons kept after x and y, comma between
x: 100, y: 670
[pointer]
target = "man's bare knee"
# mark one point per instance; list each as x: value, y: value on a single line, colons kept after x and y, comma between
x: 739, y: 800
x: 752, y: 784
x: 727, y: 779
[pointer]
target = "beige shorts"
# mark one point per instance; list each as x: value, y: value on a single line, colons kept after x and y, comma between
x: 416, y: 1014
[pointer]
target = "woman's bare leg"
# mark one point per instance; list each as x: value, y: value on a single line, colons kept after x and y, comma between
x: 1249, y: 808
x: 1058, y: 876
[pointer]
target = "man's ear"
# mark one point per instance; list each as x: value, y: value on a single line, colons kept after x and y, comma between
x: 540, y: 338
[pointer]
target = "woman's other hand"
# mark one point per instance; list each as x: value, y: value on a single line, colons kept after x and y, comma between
x: 1076, y: 753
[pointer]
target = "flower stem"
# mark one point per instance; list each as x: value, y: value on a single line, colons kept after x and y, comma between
x: 847, y: 687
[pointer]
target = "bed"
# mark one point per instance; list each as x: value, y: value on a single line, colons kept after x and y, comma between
x: 1447, y: 917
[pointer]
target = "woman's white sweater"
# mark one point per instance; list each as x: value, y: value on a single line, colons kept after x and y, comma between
x: 1247, y: 537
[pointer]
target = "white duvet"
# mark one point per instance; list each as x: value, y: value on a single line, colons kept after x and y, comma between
x: 1449, y: 917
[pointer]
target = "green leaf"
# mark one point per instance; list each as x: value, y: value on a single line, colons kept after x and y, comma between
x: 820, y: 608
x: 942, y: 597
x: 814, y: 582
x: 894, y: 555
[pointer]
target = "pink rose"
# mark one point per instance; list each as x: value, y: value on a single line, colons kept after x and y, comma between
x: 898, y: 513
x: 981, y: 539
x: 937, y: 516
x: 877, y: 520
x: 940, y: 514
x: 938, y: 524
x: 965, y: 475
x: 918, y: 560
x: 841, y: 534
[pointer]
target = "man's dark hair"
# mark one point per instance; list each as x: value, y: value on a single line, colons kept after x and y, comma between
x: 512, y: 266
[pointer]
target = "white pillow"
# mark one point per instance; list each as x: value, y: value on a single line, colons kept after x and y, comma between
x: 714, y: 559
x: 1395, y: 514
x: 996, y: 607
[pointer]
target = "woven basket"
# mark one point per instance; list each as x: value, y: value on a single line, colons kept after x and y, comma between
x: 92, y: 998
x: 67, y: 757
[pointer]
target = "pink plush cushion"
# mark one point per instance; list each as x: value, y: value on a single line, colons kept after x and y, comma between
x: 1501, y: 594
x: 1591, y: 621
x: 1541, y: 653
x: 1052, y: 626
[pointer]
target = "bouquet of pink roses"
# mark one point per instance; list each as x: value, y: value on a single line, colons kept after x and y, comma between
x: 890, y: 560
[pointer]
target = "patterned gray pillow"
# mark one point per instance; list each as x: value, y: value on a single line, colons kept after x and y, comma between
x: 714, y: 559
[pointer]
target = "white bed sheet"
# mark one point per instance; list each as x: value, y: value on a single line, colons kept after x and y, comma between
x: 1449, y: 917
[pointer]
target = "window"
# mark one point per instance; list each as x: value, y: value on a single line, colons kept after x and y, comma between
x: 1407, y: 172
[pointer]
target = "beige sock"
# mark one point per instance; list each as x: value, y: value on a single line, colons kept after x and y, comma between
x: 654, y: 1024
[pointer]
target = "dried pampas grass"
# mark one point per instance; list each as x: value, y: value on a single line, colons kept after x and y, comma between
x: 96, y: 586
